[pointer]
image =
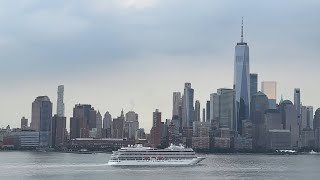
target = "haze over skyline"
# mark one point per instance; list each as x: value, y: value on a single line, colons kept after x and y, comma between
x: 133, y: 54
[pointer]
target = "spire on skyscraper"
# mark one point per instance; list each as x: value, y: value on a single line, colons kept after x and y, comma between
x: 242, y: 30
x: 281, y: 101
x: 122, y: 114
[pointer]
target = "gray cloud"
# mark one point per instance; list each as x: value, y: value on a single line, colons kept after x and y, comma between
x: 53, y: 42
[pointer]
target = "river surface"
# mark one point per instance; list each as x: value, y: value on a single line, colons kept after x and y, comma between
x: 56, y: 166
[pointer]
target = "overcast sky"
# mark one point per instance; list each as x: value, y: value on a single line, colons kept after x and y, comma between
x: 133, y: 54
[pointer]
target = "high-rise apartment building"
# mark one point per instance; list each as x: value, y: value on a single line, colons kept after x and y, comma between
x: 269, y: 88
x: 242, y: 81
x: 60, y: 103
x: 197, y: 111
x: 297, y: 103
x: 253, y: 84
x: 187, y: 106
x: 41, y: 118
x: 176, y: 104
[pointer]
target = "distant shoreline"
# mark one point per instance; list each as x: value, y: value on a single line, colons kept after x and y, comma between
x: 198, y: 152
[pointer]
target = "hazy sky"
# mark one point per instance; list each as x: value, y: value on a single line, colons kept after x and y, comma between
x: 133, y: 54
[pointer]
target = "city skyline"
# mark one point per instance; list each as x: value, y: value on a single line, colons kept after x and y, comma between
x: 144, y: 98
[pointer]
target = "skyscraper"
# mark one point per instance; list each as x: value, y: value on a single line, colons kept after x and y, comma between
x: 269, y: 88
x: 289, y: 121
x: 131, y: 125
x: 117, y: 126
x: 310, y: 117
x: 83, y: 120
x: 207, y: 112
x: 41, y: 119
x: 107, y: 125
x: 99, y: 125
x: 214, y: 107
x: 316, y: 120
x: 197, y: 111
x: 60, y: 103
x: 259, y: 105
x: 204, y: 115
x: 227, y: 108
x: 223, y: 108
x: 155, y: 133
x: 98, y: 120
x: 132, y: 116
x: 316, y: 127
x: 177, y: 101
x: 187, y: 107
x: 253, y: 84
x: 297, y: 103
x: 24, y: 123
x: 58, y: 134
x: 242, y: 81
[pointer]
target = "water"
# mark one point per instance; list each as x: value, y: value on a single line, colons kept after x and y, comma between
x: 56, y: 166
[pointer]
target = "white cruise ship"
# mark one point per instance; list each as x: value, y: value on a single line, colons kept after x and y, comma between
x: 146, y: 156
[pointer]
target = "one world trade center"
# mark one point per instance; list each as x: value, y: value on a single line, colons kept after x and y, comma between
x: 242, y: 82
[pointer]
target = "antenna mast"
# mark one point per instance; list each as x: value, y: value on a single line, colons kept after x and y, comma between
x: 242, y: 31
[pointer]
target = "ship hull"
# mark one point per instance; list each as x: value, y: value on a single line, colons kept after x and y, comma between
x: 187, y: 162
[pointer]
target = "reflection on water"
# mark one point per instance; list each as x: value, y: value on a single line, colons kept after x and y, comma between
x: 35, y: 165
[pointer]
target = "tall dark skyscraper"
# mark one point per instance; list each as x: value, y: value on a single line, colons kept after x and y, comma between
x: 41, y: 119
x: 242, y: 81
x: 253, y: 84
x: 155, y: 133
x: 197, y: 111
x: 316, y: 126
x: 187, y: 106
x: 204, y: 115
x: 208, y: 111
x: 297, y: 103
x: 118, y: 126
x: 259, y: 105
x: 58, y: 131
x: 83, y: 120
x: 223, y: 108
